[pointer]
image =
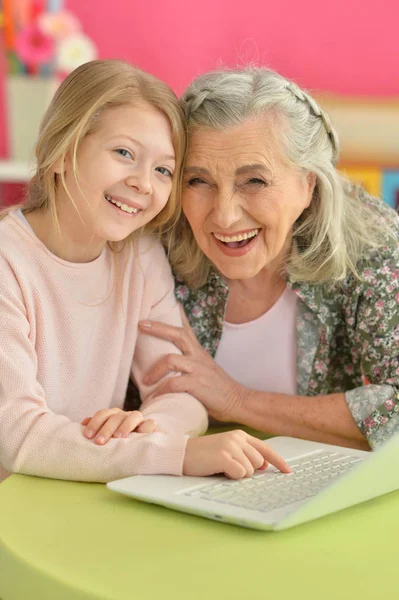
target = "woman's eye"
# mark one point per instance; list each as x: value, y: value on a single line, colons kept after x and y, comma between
x: 196, y: 181
x: 255, y: 181
x: 125, y: 153
x: 165, y: 171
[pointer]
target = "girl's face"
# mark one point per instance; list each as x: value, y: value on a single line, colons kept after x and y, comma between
x: 125, y: 168
x: 241, y: 197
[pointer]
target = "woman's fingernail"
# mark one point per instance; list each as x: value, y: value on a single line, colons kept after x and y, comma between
x: 147, y: 324
x: 118, y: 434
x: 100, y: 439
x: 89, y: 433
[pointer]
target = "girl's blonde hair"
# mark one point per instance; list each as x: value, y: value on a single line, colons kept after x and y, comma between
x: 330, y: 236
x: 75, y: 108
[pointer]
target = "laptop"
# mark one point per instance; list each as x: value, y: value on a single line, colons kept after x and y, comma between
x: 324, y: 479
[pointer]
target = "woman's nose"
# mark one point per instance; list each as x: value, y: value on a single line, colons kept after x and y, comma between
x: 226, y: 211
x: 140, y: 181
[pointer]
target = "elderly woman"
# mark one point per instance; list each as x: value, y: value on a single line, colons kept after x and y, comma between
x: 288, y: 275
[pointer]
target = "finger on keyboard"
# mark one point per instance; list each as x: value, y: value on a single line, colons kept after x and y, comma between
x: 270, y: 455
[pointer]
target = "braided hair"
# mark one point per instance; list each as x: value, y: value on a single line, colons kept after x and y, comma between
x: 318, y: 112
x: 223, y: 99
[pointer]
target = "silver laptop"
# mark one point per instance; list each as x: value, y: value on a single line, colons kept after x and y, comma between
x: 324, y: 479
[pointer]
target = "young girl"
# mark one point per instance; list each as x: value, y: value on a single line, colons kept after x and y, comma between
x: 74, y: 285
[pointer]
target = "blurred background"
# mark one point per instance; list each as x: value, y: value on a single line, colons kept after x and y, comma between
x: 345, y: 52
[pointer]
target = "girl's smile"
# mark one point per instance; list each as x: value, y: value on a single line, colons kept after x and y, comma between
x: 124, y: 206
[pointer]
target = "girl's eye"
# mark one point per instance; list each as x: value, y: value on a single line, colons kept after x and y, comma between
x: 125, y: 153
x: 196, y: 181
x: 165, y: 171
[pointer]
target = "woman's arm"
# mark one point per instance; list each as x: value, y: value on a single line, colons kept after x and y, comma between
x: 320, y: 418
x: 368, y: 414
x: 359, y: 418
x: 324, y: 419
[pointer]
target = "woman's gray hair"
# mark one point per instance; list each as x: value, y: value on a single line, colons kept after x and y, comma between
x: 220, y: 100
x: 330, y: 236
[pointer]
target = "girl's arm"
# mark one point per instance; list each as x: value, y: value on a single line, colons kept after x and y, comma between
x: 36, y: 441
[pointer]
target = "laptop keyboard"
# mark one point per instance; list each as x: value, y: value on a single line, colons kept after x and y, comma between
x: 266, y: 491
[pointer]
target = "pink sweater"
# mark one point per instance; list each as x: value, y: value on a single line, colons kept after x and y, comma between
x: 69, y: 341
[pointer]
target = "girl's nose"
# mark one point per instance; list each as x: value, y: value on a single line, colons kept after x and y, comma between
x: 140, y: 181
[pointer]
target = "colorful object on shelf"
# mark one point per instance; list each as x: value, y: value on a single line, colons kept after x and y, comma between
x: 34, y: 47
x: 59, y: 25
x: 390, y: 187
x: 8, y: 25
x: 40, y: 37
x: 378, y: 180
x: 369, y: 177
x: 55, y: 5
x: 74, y: 50
x: 43, y: 43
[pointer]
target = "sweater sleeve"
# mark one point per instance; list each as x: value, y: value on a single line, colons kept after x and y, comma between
x: 172, y: 412
x: 375, y: 407
x: 36, y: 441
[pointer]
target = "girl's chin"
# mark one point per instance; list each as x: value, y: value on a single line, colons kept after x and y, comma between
x: 119, y: 234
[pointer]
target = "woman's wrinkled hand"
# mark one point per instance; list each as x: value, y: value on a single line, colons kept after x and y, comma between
x: 115, y: 423
x: 199, y: 375
x: 236, y: 454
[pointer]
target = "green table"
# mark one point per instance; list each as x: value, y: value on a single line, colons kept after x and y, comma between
x: 63, y: 541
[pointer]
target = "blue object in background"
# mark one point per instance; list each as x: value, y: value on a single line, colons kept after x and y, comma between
x: 390, y: 187
x: 55, y: 5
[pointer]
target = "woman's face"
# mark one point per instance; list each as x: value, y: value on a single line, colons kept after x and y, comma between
x: 241, y: 197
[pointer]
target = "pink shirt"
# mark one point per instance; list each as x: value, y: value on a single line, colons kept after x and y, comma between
x: 69, y: 341
x: 261, y: 354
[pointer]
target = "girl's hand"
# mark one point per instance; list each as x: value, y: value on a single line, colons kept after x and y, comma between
x: 116, y: 423
x: 199, y: 375
x: 234, y: 453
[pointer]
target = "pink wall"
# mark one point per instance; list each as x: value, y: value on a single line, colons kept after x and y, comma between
x: 348, y: 46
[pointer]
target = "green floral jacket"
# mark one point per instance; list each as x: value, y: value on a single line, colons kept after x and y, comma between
x: 347, y: 337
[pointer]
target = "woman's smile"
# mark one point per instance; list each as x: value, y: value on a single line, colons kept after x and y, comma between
x: 236, y: 244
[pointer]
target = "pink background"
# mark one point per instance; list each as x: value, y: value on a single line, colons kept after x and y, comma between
x: 346, y: 46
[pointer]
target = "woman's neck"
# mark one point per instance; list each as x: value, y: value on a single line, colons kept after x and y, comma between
x: 251, y: 298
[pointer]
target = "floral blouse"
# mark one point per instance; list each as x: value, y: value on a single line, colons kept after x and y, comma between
x: 347, y: 335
